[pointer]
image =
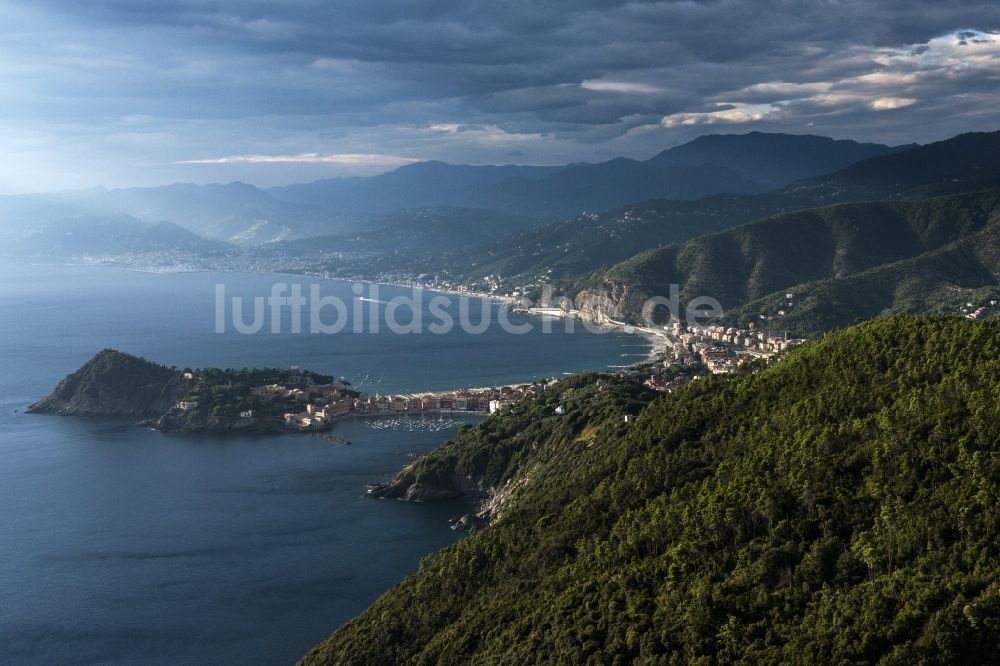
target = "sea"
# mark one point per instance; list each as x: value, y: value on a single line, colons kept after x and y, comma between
x: 122, y: 545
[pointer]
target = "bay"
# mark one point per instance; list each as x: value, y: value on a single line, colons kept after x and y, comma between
x: 123, y: 545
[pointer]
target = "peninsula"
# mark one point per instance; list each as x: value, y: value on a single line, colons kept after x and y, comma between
x: 114, y: 383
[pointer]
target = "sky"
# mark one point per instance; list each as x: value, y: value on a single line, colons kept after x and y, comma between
x: 124, y: 93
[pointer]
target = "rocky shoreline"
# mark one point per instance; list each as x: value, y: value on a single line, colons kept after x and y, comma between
x: 490, y: 500
x: 432, y: 478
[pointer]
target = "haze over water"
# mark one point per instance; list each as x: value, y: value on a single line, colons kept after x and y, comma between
x: 123, y: 545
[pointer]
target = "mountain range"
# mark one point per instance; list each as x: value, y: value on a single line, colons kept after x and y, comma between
x: 245, y: 216
x: 573, y: 247
x: 709, y: 165
x: 881, y: 230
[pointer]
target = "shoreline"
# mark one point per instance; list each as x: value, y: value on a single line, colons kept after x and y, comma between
x: 659, y: 341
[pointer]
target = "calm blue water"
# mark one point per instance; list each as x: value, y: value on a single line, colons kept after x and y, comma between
x: 123, y: 545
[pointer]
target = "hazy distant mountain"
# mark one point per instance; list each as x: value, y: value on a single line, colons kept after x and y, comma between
x: 246, y: 216
x: 715, y: 164
x: 772, y: 159
x: 412, y: 186
x: 596, y: 187
x: 102, y: 236
x: 413, y: 230
x: 234, y: 212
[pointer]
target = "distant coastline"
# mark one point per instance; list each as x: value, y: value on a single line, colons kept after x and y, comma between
x: 658, y: 340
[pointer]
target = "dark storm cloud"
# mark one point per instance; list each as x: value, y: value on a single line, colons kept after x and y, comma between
x: 148, y: 84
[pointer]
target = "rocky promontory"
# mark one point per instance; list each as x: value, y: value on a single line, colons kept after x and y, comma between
x: 113, y: 383
x: 414, y: 485
x: 208, y: 400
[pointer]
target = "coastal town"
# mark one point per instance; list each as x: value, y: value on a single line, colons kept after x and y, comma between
x: 292, y: 399
x: 690, y: 352
x: 323, y: 404
x: 722, y: 350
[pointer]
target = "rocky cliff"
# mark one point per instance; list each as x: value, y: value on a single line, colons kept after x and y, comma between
x: 612, y: 300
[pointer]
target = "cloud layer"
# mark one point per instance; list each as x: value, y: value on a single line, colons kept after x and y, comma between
x: 123, y: 93
x: 348, y: 159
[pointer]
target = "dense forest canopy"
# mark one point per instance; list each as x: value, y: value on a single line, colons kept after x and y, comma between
x: 839, y: 506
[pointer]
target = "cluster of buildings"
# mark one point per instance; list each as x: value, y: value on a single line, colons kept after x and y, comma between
x: 724, y: 360
x: 747, y: 338
x: 489, y: 286
x: 322, y: 405
x: 970, y: 311
x: 480, y: 401
x: 668, y: 384
x: 723, y: 350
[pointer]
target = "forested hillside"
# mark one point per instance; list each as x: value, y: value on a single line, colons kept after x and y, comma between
x: 839, y: 262
x: 838, y: 507
x: 966, y: 161
x: 576, y: 246
x: 964, y: 272
x: 113, y: 383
